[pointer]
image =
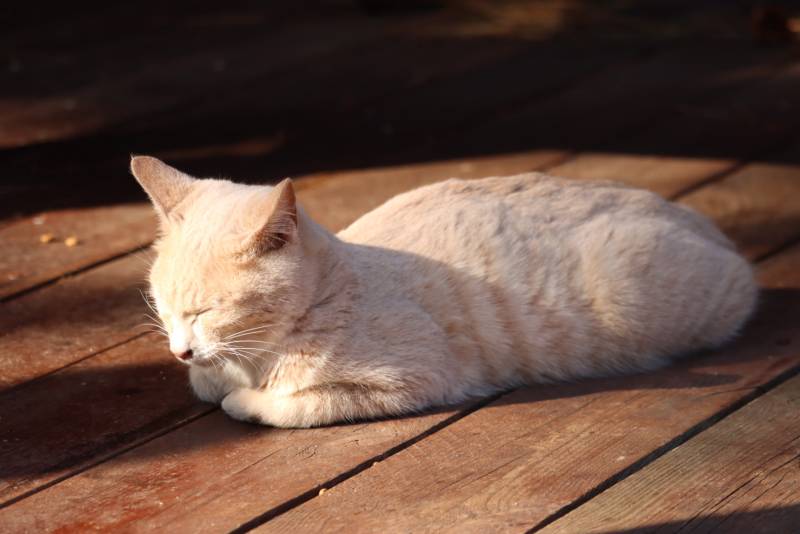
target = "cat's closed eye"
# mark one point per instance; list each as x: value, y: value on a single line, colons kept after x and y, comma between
x: 196, y: 313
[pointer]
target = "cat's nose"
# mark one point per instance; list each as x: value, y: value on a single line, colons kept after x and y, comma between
x: 185, y: 355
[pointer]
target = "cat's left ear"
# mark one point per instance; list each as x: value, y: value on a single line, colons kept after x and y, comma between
x: 276, y: 222
x: 165, y: 185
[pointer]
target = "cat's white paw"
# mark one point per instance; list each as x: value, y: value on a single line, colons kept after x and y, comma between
x: 244, y: 404
x: 212, y: 385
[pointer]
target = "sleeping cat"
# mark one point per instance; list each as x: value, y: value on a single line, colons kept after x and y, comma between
x: 451, y: 291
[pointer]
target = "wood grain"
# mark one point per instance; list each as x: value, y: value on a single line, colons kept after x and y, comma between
x: 102, y: 233
x: 209, y: 476
x: 741, y: 475
x: 73, y: 319
x: 622, y: 110
x: 581, y: 115
x: 759, y: 205
x: 169, y: 85
x: 667, y: 176
x: 84, y: 412
x: 524, y: 457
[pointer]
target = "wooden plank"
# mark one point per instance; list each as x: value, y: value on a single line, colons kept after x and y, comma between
x: 742, y: 207
x: 666, y: 175
x: 86, y: 102
x: 72, y: 418
x: 202, y: 480
x: 102, y: 233
x: 653, y: 157
x: 741, y: 125
x: 13, y: 281
x: 602, y: 113
x: 607, y: 115
x: 719, y: 379
x: 461, y: 118
x: 525, y: 456
x: 72, y: 319
x: 741, y: 475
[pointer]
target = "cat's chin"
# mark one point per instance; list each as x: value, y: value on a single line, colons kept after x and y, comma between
x: 203, y: 363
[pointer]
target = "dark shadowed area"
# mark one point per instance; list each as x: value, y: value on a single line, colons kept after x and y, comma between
x: 262, y: 90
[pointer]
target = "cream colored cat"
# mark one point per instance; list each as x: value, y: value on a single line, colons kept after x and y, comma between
x: 454, y: 290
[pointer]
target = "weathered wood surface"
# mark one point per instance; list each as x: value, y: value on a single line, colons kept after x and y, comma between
x: 189, y: 72
x: 740, y: 475
x: 73, y: 418
x: 73, y: 319
x: 705, y: 141
x: 679, y: 86
x: 210, y: 476
x: 666, y: 175
x: 737, y: 201
x: 102, y: 233
x: 524, y: 457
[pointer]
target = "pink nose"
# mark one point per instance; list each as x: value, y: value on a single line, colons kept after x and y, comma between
x: 185, y: 356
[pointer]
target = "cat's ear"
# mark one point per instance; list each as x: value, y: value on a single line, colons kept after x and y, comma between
x: 275, y: 221
x: 165, y: 186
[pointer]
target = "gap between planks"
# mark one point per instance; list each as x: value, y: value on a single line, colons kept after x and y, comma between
x: 640, y: 464
x: 345, y: 475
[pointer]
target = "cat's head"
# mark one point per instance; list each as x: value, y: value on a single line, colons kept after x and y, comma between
x: 231, y: 272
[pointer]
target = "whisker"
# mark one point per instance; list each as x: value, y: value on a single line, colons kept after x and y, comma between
x: 259, y: 328
x: 154, y: 327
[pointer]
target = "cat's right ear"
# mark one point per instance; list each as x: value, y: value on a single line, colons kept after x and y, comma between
x: 273, y: 220
x: 166, y: 186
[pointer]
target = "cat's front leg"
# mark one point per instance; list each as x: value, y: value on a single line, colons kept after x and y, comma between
x: 210, y: 385
x: 265, y: 407
x: 248, y: 405
x: 314, y: 406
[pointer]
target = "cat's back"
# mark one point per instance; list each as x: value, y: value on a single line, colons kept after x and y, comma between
x: 541, y: 267
x: 532, y: 205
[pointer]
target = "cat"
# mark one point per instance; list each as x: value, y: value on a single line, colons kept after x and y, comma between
x: 452, y: 291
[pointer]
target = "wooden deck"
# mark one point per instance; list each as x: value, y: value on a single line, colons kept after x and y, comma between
x: 98, y: 429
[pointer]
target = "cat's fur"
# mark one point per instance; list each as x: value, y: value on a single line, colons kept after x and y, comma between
x: 453, y: 290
